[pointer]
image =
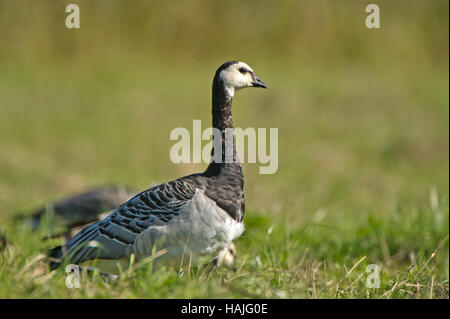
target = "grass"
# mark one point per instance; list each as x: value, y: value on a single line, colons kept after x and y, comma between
x: 410, y: 248
x: 363, y: 124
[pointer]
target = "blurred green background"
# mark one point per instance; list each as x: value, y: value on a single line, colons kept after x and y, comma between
x: 362, y: 113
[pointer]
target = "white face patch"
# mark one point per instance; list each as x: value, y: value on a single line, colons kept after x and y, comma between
x: 234, y: 79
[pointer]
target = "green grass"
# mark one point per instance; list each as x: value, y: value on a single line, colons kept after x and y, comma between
x: 363, y: 122
x: 410, y: 248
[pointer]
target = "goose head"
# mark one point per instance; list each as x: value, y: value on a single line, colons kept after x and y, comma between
x: 236, y: 75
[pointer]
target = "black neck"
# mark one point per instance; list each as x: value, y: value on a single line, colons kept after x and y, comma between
x: 223, y: 121
x: 221, y: 106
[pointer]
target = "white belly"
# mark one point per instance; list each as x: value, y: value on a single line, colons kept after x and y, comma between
x: 202, y: 227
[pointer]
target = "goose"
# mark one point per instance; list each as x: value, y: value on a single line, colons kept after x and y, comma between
x: 191, y: 216
x: 83, y: 208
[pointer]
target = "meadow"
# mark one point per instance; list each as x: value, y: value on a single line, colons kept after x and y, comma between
x: 363, y: 126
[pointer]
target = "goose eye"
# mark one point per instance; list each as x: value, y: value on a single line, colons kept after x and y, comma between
x: 243, y: 70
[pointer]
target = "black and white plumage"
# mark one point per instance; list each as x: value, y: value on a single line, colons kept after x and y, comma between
x: 196, y: 214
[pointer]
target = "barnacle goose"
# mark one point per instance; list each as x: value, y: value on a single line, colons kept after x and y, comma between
x: 190, y: 216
